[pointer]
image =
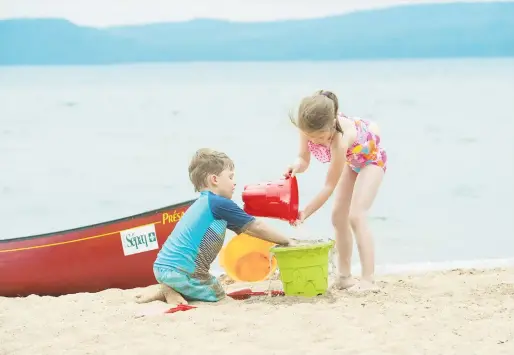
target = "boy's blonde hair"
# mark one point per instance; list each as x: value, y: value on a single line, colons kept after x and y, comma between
x: 207, y: 162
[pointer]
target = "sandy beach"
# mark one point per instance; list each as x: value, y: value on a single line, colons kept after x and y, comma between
x: 452, y: 312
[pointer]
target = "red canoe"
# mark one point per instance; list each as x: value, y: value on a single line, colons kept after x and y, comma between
x: 114, y: 254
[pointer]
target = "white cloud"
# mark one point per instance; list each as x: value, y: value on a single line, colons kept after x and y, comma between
x: 112, y: 12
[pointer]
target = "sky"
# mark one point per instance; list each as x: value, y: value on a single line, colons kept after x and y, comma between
x: 101, y: 13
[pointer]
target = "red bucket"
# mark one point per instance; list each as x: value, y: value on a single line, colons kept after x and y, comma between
x: 276, y: 199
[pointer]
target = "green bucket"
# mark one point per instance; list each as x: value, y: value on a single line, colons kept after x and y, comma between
x: 304, y: 268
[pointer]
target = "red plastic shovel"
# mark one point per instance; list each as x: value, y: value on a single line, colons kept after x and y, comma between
x: 180, y: 308
x: 247, y: 293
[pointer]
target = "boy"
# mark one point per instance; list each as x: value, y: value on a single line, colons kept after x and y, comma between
x: 183, y: 263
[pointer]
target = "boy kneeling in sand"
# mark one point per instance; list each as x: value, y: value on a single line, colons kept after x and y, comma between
x: 182, y: 265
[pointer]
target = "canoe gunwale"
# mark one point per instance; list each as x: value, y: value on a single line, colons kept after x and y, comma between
x: 113, y: 221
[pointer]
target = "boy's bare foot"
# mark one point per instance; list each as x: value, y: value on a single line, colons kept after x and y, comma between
x: 364, y: 286
x: 172, y: 297
x: 150, y: 294
x: 344, y: 282
x: 161, y: 293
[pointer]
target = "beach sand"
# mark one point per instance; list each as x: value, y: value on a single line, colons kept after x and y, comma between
x: 453, y: 312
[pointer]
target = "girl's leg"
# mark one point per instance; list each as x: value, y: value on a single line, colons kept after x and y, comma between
x: 340, y: 221
x: 365, y: 190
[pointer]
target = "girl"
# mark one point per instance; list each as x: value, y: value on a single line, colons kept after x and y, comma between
x: 357, y: 166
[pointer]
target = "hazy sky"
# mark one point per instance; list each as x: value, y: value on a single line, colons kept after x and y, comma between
x: 111, y: 12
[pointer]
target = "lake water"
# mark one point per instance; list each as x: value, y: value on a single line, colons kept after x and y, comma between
x: 80, y: 145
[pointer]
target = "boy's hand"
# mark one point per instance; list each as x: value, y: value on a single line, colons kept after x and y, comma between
x: 292, y: 243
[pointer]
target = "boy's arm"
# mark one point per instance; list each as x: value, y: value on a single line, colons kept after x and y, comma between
x: 239, y: 221
x: 261, y: 230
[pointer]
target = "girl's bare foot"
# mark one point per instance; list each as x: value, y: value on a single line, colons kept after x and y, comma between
x: 344, y: 282
x: 364, y: 286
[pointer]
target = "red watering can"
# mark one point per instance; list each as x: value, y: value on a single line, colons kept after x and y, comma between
x: 273, y: 199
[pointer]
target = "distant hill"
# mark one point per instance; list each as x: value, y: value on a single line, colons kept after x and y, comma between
x: 411, y: 31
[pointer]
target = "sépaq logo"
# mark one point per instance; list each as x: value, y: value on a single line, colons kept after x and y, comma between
x: 134, y: 241
x: 138, y: 240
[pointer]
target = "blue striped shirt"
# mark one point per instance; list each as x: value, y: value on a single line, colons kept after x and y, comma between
x: 198, y: 237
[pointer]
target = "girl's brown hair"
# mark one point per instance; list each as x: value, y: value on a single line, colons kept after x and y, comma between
x: 318, y: 112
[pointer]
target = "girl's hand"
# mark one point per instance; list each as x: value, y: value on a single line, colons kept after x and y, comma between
x: 291, y: 170
x: 299, y: 220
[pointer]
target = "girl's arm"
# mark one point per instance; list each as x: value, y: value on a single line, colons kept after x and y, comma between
x: 304, y: 157
x: 339, y: 148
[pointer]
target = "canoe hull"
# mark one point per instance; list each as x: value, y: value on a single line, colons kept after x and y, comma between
x: 114, y: 254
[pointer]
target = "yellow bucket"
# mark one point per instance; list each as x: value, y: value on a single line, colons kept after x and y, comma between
x: 246, y: 258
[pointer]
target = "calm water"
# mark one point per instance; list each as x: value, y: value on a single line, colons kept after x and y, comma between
x: 80, y: 145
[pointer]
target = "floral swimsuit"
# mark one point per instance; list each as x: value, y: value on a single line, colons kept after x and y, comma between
x: 366, y: 149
